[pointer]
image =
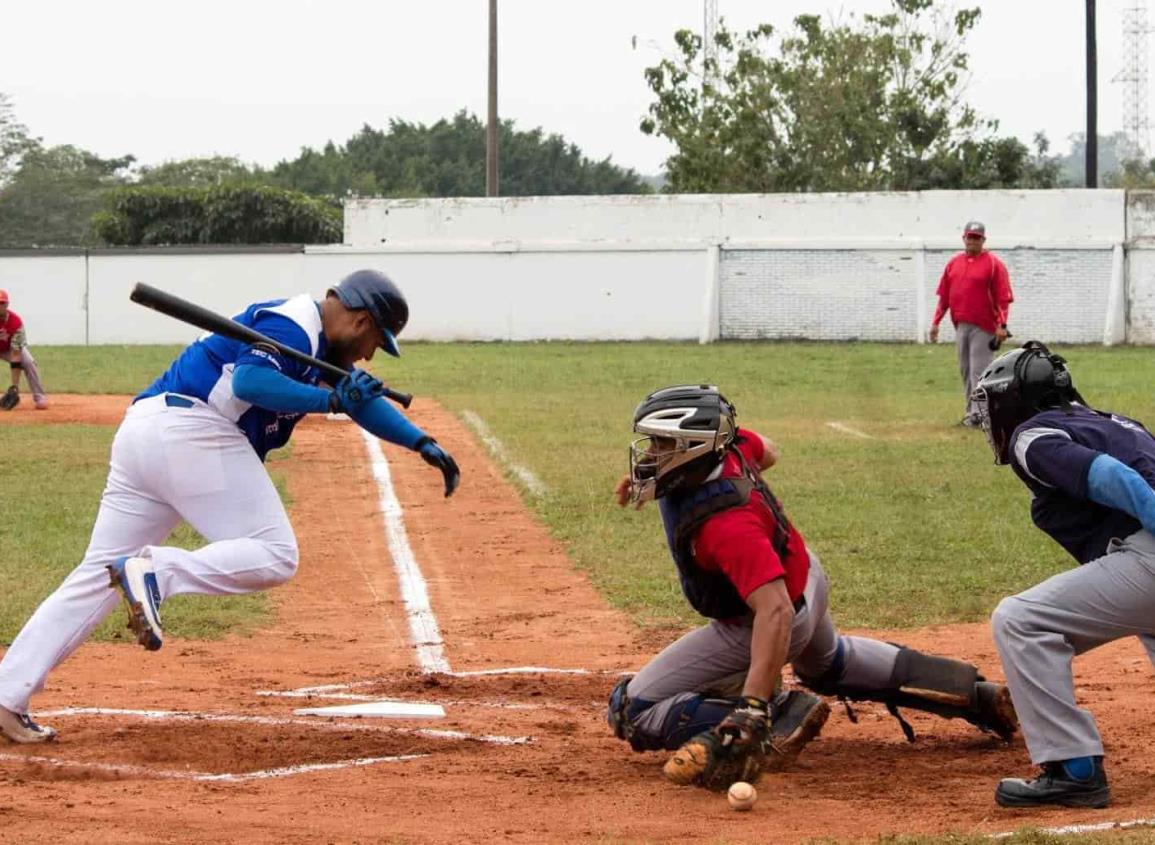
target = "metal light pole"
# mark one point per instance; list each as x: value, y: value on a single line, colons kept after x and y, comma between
x: 1092, y: 161
x: 491, y: 136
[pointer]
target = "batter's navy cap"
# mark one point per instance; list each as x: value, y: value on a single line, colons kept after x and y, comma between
x: 974, y: 227
x: 376, y: 293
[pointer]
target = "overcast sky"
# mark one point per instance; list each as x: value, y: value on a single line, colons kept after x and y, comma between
x: 261, y: 78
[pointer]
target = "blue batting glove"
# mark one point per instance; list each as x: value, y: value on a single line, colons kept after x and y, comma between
x: 357, y: 390
x: 435, y: 456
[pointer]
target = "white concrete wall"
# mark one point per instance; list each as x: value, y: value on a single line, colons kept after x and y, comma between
x: 822, y: 266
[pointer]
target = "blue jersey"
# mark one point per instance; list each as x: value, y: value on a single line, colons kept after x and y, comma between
x: 205, y: 369
x: 1052, y: 452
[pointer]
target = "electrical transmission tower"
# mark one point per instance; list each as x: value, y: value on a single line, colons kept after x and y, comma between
x: 1134, y: 77
x: 709, y: 30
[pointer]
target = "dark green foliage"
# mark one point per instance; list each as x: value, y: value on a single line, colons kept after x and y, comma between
x: 229, y: 214
x: 447, y: 159
x: 870, y: 105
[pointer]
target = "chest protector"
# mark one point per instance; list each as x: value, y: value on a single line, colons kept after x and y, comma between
x: 711, y: 593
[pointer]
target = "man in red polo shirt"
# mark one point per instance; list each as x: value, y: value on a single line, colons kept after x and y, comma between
x: 745, y: 567
x: 976, y: 289
x: 14, y: 349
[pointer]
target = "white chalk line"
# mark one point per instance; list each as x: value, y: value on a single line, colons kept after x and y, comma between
x: 225, y: 777
x: 845, y: 429
x: 498, y: 450
x: 423, y: 629
x: 1083, y: 828
x: 352, y: 696
x: 188, y: 716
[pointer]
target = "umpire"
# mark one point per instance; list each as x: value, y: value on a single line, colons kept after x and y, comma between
x: 1090, y: 474
x: 976, y: 289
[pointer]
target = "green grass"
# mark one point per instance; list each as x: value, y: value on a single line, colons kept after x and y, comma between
x: 915, y: 526
x: 55, y: 478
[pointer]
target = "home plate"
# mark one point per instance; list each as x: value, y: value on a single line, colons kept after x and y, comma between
x: 386, y: 709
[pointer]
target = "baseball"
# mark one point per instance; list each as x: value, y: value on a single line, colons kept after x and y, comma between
x: 742, y: 796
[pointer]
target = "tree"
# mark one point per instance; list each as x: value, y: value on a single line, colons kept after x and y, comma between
x: 14, y: 140
x: 200, y: 172
x: 447, y: 159
x: 53, y: 194
x: 224, y: 214
x: 856, y: 106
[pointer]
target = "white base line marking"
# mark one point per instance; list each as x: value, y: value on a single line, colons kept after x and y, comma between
x: 186, y: 716
x: 1084, y: 828
x: 845, y: 429
x: 352, y: 696
x: 498, y: 450
x: 227, y: 777
x: 423, y: 629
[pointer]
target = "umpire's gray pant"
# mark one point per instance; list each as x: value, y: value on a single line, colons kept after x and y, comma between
x: 30, y: 370
x: 713, y: 660
x: 974, y: 356
x: 1039, y: 631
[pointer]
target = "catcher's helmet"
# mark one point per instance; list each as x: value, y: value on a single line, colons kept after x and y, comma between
x: 686, y: 430
x: 376, y: 293
x: 1015, y: 387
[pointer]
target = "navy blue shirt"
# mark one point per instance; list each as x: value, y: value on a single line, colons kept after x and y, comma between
x: 205, y: 369
x: 1052, y: 451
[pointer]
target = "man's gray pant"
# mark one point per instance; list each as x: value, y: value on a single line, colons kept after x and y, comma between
x: 713, y: 660
x: 1038, y: 632
x: 30, y: 370
x: 974, y: 356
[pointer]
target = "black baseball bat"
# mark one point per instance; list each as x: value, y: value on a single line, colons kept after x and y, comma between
x: 210, y: 321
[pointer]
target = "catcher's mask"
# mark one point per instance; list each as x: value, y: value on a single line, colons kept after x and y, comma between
x: 686, y: 430
x: 1015, y: 387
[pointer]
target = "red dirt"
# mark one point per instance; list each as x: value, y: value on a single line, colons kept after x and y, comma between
x: 505, y: 595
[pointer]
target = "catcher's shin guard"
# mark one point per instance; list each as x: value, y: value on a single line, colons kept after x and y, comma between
x: 946, y: 687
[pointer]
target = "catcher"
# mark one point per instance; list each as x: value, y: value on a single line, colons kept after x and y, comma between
x: 710, y: 696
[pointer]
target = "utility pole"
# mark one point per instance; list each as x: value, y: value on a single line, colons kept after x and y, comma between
x: 491, y: 134
x: 1092, y: 160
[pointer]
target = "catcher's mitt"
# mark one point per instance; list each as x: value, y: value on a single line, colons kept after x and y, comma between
x: 10, y: 399
x: 746, y: 744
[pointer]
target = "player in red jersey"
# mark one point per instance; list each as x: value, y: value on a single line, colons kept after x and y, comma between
x: 746, y: 568
x: 14, y: 349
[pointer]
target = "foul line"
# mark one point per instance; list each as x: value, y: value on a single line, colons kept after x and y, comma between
x: 1083, y: 828
x: 845, y: 429
x: 187, y: 716
x: 227, y: 777
x: 423, y: 630
x: 498, y: 450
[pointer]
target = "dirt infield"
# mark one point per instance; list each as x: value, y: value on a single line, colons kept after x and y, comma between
x: 181, y: 746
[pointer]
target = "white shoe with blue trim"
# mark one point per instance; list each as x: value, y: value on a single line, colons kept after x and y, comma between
x: 19, y: 727
x: 136, y: 580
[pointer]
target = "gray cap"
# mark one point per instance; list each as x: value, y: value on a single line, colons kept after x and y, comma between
x: 974, y: 227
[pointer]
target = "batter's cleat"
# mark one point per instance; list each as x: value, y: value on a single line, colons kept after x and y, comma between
x: 19, y: 727
x: 136, y: 580
x: 1056, y: 786
x: 996, y: 711
x: 797, y: 718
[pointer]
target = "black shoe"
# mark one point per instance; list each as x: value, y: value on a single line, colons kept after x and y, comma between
x: 1055, y: 786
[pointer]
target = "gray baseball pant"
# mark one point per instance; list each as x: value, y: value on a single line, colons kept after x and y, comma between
x: 1038, y: 632
x: 713, y: 660
x: 30, y: 370
x: 974, y: 356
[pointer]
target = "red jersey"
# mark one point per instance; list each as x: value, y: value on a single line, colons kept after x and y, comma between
x: 739, y: 542
x: 975, y: 289
x: 8, y: 330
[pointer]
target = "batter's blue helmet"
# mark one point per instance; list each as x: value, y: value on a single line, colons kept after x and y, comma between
x: 377, y: 294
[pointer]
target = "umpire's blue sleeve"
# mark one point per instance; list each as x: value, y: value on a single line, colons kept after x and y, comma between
x: 381, y: 419
x: 268, y: 388
x: 1112, y: 483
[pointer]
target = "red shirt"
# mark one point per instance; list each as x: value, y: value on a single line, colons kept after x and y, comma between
x: 8, y: 328
x: 739, y: 542
x: 975, y: 289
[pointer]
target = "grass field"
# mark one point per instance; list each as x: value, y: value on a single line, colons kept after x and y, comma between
x: 915, y: 524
